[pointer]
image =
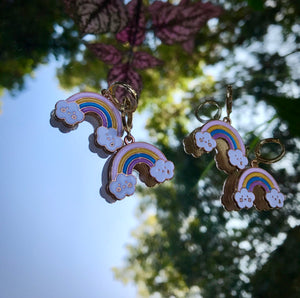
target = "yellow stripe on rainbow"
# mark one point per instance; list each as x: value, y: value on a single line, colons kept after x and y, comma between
x: 253, y: 177
x: 135, y: 152
x: 227, y: 133
x: 103, y: 104
x: 257, y: 175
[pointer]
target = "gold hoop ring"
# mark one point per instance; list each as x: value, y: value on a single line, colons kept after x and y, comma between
x: 129, y: 103
x: 258, y: 154
x: 208, y: 102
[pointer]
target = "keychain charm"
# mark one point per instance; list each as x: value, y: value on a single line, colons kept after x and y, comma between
x: 106, y: 118
x: 111, y: 117
x: 254, y: 186
x: 151, y: 164
x: 146, y: 159
x: 219, y: 135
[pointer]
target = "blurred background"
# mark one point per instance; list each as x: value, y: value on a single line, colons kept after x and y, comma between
x: 59, y: 238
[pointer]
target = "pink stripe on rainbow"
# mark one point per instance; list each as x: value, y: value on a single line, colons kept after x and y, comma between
x: 92, y: 102
x: 132, y: 154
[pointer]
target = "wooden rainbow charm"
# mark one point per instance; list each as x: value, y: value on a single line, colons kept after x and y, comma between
x: 109, y: 129
x: 114, y: 116
x: 221, y: 136
x: 151, y: 164
x: 252, y: 186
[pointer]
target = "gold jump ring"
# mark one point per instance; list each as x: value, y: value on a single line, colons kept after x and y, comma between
x: 208, y: 102
x: 129, y: 103
x: 258, y: 154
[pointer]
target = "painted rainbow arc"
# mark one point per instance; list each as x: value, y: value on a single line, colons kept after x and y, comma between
x: 222, y: 130
x: 256, y: 176
x: 91, y: 102
x: 132, y: 154
x: 146, y: 159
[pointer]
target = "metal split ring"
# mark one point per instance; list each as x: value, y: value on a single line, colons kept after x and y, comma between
x: 129, y: 103
x: 260, y: 159
x: 212, y: 102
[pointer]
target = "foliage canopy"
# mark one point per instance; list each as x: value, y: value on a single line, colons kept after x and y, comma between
x: 187, y: 245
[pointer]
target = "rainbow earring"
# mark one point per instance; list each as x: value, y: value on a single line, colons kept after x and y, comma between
x: 97, y: 109
x: 254, y: 186
x: 110, y: 118
x: 153, y: 167
x: 219, y: 135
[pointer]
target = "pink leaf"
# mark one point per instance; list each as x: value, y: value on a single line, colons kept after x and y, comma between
x: 180, y: 23
x: 134, y: 33
x: 125, y: 73
x: 107, y: 53
x: 142, y: 60
x: 100, y: 16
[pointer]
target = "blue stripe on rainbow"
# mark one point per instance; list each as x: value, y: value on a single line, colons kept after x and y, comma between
x: 256, y: 180
x: 253, y: 177
x: 136, y: 157
x: 223, y: 132
x: 102, y: 109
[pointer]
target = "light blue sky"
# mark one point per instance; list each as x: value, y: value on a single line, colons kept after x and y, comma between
x: 59, y: 238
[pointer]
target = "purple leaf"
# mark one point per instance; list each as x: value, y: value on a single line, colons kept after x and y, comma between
x: 134, y: 33
x: 142, y: 60
x: 100, y: 16
x: 107, y: 53
x: 125, y: 73
x: 180, y: 23
x: 189, y: 45
x: 70, y: 7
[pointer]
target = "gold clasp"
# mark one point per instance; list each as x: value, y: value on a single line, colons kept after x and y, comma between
x: 228, y: 103
x: 211, y: 101
x: 127, y: 105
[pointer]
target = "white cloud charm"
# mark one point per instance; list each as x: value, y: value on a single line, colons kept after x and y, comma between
x: 237, y: 158
x: 108, y: 138
x: 204, y: 140
x: 69, y: 111
x: 275, y: 198
x: 123, y: 186
x: 244, y: 198
x: 162, y: 170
